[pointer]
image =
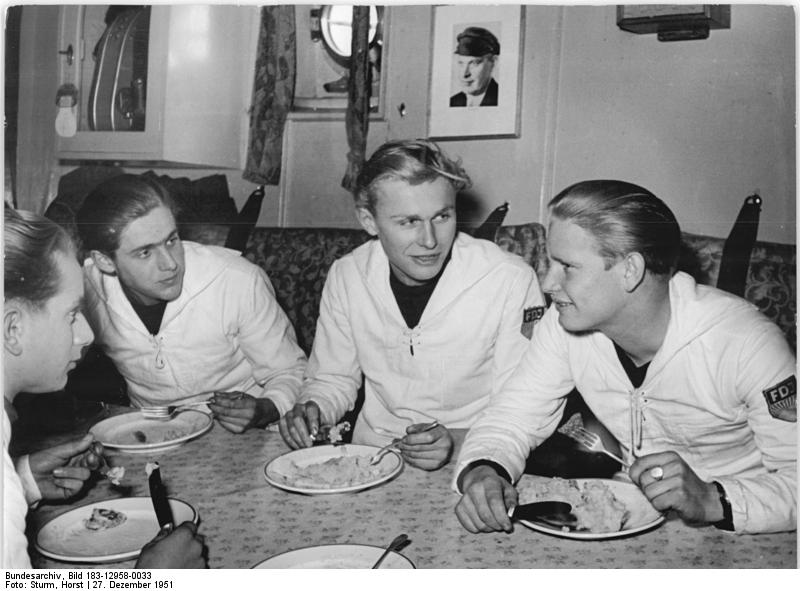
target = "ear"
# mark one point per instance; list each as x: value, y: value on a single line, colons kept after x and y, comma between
x: 367, y: 220
x: 12, y: 329
x: 104, y: 262
x: 633, y: 271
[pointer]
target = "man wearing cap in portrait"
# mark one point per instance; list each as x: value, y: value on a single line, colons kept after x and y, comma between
x: 476, y: 54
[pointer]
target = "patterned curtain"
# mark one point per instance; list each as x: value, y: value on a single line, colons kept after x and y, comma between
x: 273, y: 93
x: 358, y: 91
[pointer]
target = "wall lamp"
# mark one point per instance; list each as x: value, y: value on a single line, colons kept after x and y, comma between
x: 674, y: 22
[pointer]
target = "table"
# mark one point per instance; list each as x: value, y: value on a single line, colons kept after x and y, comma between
x: 246, y: 520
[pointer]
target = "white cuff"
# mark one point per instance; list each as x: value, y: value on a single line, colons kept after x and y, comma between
x: 32, y: 493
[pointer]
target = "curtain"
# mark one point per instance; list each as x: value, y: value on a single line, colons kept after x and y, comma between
x: 273, y: 93
x: 358, y: 91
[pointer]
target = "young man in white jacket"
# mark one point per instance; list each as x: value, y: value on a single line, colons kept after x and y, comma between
x: 44, y: 332
x: 434, y: 320
x: 181, y: 321
x: 698, y: 386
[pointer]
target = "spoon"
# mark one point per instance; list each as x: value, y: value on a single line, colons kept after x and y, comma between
x: 392, y: 547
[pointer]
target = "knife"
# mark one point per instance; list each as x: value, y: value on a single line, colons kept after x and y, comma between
x: 555, y: 513
x: 158, y: 494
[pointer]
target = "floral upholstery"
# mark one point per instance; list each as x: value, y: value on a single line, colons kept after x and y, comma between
x: 297, y: 261
x: 701, y: 257
x: 528, y: 241
x: 772, y: 285
x: 771, y: 278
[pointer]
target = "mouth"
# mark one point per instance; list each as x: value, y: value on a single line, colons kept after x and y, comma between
x: 170, y: 280
x: 560, y: 304
x: 426, y: 260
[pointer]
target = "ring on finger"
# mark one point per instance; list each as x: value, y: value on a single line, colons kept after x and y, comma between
x: 657, y: 473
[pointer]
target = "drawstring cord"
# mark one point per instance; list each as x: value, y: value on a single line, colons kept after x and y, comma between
x: 411, y: 335
x: 637, y: 404
x: 159, y: 360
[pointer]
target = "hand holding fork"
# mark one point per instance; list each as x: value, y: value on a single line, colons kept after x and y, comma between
x: 427, y: 445
x: 575, y: 430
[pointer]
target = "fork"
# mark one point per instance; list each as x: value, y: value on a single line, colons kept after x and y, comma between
x: 592, y: 442
x: 382, y: 452
x: 393, y: 445
x: 165, y: 413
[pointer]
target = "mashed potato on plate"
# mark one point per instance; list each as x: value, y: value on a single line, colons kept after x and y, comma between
x: 339, y: 472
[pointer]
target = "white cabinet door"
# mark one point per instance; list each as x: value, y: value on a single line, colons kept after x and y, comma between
x: 200, y: 62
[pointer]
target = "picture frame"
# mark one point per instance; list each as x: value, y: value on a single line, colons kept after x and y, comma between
x: 473, y: 96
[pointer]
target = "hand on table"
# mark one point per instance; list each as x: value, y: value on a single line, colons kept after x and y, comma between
x: 428, y: 450
x: 61, y: 471
x: 486, y: 500
x: 675, y: 486
x: 299, y: 424
x: 182, y: 547
x: 237, y: 411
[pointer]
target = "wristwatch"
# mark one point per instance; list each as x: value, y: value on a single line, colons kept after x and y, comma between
x: 726, y: 523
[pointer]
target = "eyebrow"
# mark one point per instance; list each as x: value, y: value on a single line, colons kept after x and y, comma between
x: 414, y: 216
x: 150, y: 246
x: 562, y: 261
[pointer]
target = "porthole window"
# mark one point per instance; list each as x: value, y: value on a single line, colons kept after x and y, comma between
x: 335, y: 30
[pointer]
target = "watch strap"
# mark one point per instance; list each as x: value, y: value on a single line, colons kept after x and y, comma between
x: 726, y: 523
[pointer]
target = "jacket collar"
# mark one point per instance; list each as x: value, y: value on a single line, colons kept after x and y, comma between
x: 694, y: 310
x: 203, y: 265
x: 466, y: 267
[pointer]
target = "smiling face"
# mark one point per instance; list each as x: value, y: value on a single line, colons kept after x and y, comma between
x: 55, y: 335
x: 416, y: 225
x: 475, y: 72
x: 587, y: 295
x: 149, y: 261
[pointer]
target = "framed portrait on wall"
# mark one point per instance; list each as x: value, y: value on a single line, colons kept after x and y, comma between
x: 476, y: 71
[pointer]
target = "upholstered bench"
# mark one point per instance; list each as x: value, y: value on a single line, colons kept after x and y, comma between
x: 297, y: 261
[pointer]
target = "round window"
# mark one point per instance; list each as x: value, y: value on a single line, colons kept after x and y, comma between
x: 336, y: 29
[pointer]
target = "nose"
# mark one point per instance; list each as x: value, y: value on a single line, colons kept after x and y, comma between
x: 552, y: 279
x: 166, y: 262
x: 82, y: 335
x: 427, y: 235
x: 466, y: 71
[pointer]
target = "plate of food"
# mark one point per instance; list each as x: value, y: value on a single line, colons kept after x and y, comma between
x: 604, y: 508
x: 106, y: 531
x: 331, y: 469
x: 336, y: 556
x: 132, y: 433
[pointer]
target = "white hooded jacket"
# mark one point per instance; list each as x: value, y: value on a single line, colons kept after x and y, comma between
x: 15, y: 508
x: 466, y: 344
x: 705, y: 397
x: 224, y: 332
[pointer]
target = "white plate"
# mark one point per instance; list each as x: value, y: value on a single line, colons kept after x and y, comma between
x: 66, y: 538
x: 336, y: 556
x: 118, y: 432
x: 278, y: 472
x: 642, y: 514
